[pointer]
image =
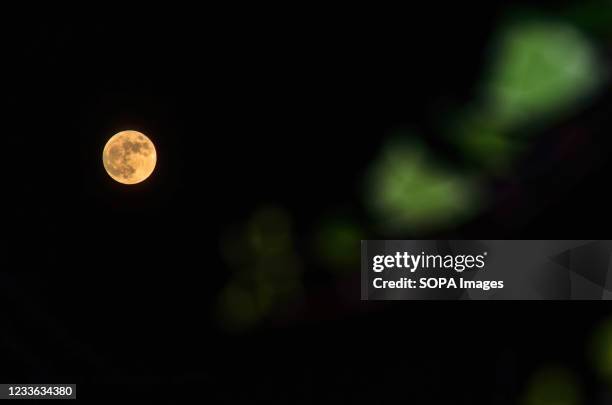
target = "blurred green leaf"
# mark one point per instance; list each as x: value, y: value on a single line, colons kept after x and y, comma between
x: 407, y: 189
x: 338, y: 244
x: 541, y: 68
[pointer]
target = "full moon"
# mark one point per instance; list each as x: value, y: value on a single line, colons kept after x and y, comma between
x: 129, y: 157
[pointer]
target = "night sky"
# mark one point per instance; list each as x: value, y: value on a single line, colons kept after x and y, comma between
x: 114, y: 287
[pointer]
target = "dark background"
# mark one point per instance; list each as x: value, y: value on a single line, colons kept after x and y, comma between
x: 114, y: 287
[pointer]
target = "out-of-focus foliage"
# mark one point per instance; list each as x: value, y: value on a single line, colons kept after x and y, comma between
x: 266, y: 269
x: 601, y: 350
x: 409, y: 190
x: 539, y: 69
x: 552, y: 386
x: 337, y: 244
x: 482, y: 143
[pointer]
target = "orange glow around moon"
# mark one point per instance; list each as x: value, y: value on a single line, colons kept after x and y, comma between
x: 129, y: 157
